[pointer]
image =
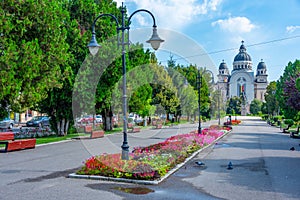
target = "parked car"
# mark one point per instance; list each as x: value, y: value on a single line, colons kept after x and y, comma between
x: 7, y: 123
x: 39, y: 121
x: 86, y: 119
x: 99, y: 119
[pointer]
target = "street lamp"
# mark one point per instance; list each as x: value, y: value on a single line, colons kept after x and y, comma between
x: 199, y: 80
x: 219, y: 94
x: 93, y: 46
x: 199, y: 83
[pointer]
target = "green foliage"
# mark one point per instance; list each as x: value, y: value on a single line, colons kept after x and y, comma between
x: 234, y: 106
x: 289, y: 122
x: 164, y: 91
x: 190, y: 73
x: 298, y: 83
x: 272, y: 103
x: 255, y: 106
x: 33, y: 43
x: 291, y: 72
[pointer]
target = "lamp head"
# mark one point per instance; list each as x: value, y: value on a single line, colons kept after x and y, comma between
x: 93, y: 45
x: 155, y: 40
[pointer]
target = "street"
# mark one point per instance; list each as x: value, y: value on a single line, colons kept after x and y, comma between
x: 263, y: 168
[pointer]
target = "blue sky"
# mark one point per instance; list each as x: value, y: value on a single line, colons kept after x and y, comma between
x: 270, y: 29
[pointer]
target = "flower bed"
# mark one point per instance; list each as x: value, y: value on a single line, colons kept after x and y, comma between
x: 154, y: 161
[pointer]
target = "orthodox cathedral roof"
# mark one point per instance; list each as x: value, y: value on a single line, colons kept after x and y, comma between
x: 223, y: 65
x: 261, y: 65
x: 242, y: 55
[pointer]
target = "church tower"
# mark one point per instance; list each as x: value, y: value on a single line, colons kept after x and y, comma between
x: 261, y: 81
x: 223, y: 79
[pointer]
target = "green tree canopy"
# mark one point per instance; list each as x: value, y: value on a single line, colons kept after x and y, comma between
x: 255, y: 106
x: 271, y: 100
x: 34, y: 47
x: 286, y: 92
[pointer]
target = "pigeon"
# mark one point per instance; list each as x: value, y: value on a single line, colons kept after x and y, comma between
x: 199, y: 163
x: 229, y: 166
x: 292, y: 148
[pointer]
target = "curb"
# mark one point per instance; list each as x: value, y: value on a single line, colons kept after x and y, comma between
x: 146, y: 182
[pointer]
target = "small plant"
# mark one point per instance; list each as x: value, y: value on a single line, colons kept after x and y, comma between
x: 289, y: 122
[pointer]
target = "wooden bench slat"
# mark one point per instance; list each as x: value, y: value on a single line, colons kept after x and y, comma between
x: 97, y: 134
x: 7, y: 136
x: 133, y: 129
x: 20, y: 144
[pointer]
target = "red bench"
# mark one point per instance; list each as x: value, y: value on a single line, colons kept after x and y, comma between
x: 157, y: 125
x: 133, y: 129
x: 11, y: 144
x: 97, y: 134
x: 88, y: 129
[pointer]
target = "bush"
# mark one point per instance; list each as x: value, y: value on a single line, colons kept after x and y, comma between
x: 265, y: 116
x: 289, y: 122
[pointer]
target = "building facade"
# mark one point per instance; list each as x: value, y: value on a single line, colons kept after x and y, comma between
x: 242, y: 82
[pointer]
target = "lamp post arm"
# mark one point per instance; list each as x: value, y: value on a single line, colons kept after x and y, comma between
x: 103, y: 15
x: 142, y: 10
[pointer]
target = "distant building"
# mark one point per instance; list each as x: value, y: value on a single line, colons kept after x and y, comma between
x: 242, y: 82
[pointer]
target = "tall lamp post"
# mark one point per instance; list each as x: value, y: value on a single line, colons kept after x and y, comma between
x: 199, y: 83
x: 93, y: 46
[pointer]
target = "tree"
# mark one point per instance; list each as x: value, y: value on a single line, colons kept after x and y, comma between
x: 34, y: 47
x: 272, y: 105
x: 191, y: 72
x: 164, y: 91
x: 285, y: 85
x: 255, y: 106
x: 60, y: 101
x: 188, y: 101
x: 234, y: 105
x: 298, y: 83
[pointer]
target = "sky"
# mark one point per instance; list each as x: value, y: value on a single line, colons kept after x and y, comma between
x: 205, y: 32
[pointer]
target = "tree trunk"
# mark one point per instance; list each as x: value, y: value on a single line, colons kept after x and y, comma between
x: 67, y: 127
x: 58, y: 127
x: 107, y: 120
x: 62, y: 127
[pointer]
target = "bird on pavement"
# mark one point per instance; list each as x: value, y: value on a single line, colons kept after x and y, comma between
x: 292, y: 148
x: 199, y: 163
x: 229, y: 166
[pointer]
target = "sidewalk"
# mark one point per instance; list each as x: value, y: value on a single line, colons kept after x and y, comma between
x: 263, y: 165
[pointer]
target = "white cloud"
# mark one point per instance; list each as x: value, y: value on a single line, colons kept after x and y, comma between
x: 235, y: 24
x: 291, y: 29
x: 173, y: 14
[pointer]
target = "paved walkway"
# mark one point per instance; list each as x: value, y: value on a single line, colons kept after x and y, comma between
x: 263, y: 168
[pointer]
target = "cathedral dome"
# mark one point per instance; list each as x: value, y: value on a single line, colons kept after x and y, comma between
x: 261, y: 65
x: 242, y: 55
x: 223, y: 65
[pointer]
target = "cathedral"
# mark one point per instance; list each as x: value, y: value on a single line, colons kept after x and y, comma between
x: 242, y: 82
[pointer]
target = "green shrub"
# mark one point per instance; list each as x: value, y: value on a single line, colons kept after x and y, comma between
x: 276, y: 118
x: 289, y: 122
x: 265, y: 116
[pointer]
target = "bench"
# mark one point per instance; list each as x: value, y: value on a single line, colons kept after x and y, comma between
x: 133, y: 128
x: 97, y: 134
x: 88, y: 128
x: 11, y: 144
x: 157, y: 125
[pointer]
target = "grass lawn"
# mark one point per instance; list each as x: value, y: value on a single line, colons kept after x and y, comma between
x: 54, y: 138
